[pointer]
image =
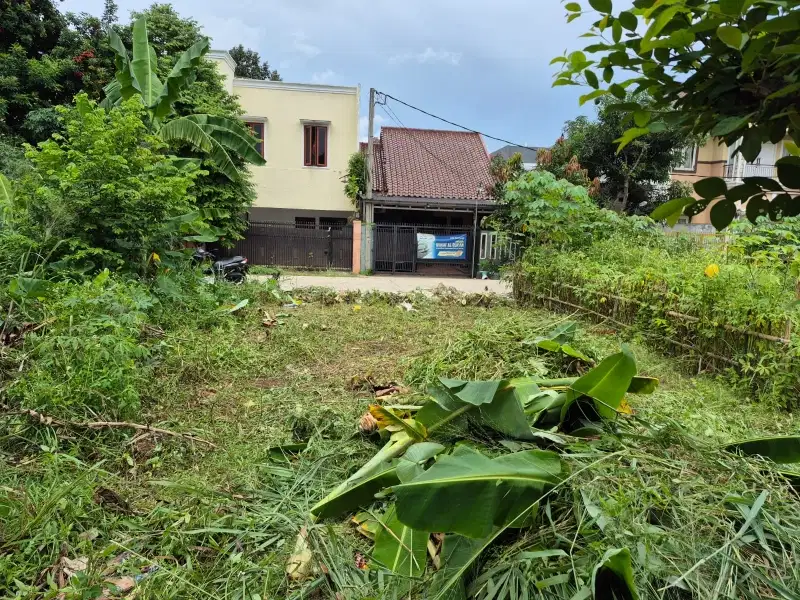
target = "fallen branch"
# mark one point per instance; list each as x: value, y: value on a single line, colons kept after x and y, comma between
x: 47, y: 420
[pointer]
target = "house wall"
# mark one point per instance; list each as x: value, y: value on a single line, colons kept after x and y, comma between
x: 712, y: 159
x: 284, y: 182
x: 284, y: 108
x: 225, y: 65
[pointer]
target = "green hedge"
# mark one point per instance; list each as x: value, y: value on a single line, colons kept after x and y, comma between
x: 662, y: 276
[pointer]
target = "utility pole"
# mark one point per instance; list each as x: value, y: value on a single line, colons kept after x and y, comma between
x: 370, y: 148
x: 368, y: 214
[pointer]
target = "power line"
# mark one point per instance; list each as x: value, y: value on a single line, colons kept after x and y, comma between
x: 425, y: 112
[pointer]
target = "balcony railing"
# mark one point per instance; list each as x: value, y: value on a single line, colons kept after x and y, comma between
x: 739, y: 171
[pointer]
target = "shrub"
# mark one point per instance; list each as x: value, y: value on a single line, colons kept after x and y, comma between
x: 104, y: 194
x: 537, y: 209
x: 88, y: 359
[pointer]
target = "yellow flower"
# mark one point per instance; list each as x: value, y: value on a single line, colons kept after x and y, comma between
x: 712, y: 270
x: 357, y: 308
x: 155, y: 258
x: 625, y: 408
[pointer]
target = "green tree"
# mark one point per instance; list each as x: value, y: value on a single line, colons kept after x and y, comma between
x: 355, y: 180
x: 625, y: 174
x: 723, y: 68
x: 105, y: 194
x: 217, y: 136
x: 29, y: 77
x: 249, y: 65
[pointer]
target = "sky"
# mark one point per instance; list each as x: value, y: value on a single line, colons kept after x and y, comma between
x: 484, y: 65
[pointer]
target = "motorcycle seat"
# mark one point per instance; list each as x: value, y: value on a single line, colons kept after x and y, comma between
x: 229, y: 261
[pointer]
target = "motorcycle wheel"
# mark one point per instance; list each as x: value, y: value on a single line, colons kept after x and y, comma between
x: 236, y: 277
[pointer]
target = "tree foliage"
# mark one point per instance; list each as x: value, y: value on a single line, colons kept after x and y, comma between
x: 220, y: 139
x: 561, y: 161
x: 249, y: 64
x: 355, y: 180
x: 725, y: 68
x: 105, y: 194
x: 539, y: 209
x: 626, y: 173
x: 504, y: 171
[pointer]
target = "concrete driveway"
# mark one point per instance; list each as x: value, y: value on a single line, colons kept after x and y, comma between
x: 393, y: 283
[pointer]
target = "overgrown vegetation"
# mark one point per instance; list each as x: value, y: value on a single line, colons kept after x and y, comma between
x: 191, y: 520
x: 725, y: 68
x: 734, y: 298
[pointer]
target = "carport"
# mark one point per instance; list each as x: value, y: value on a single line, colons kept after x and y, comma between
x: 430, y: 192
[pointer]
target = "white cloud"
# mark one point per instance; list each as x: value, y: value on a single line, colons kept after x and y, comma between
x: 429, y: 55
x: 363, y: 125
x: 301, y: 46
x: 324, y: 77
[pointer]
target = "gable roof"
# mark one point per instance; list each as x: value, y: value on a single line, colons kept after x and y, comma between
x: 430, y: 163
x: 528, y: 154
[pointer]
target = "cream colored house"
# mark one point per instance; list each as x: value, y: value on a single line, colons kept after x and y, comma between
x: 716, y: 159
x: 308, y: 133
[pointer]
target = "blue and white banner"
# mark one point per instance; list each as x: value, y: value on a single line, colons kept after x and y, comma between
x: 441, y: 247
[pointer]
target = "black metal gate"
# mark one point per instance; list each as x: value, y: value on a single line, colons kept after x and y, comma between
x: 396, y: 250
x: 293, y: 245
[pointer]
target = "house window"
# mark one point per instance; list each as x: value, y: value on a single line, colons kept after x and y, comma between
x: 315, y: 146
x: 305, y: 222
x: 335, y: 223
x: 257, y: 129
x: 688, y: 159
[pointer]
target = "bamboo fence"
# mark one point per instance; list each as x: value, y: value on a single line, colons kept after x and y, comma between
x: 675, y: 333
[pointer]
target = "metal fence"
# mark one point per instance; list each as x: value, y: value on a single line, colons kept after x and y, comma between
x: 396, y: 248
x: 296, y: 245
x: 737, y: 170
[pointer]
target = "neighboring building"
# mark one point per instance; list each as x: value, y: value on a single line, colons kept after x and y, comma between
x: 308, y: 133
x: 431, y: 188
x: 716, y: 159
x: 528, y: 155
x: 429, y: 176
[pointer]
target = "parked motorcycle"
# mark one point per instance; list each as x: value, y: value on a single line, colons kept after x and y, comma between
x: 232, y: 269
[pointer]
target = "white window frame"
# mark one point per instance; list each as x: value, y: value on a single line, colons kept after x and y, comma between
x: 683, y: 167
x: 248, y: 119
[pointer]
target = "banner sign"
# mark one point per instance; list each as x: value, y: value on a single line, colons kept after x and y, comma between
x: 441, y: 247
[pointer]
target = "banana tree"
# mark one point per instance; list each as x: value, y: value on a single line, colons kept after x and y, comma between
x: 136, y: 75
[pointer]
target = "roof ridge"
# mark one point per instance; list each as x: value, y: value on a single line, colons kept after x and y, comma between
x: 429, y: 129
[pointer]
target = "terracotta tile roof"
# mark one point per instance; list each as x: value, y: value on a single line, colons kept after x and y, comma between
x: 431, y: 163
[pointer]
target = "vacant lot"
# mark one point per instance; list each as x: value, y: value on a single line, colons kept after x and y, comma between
x: 194, y: 520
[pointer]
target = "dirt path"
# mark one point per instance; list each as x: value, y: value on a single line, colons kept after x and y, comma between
x: 397, y: 283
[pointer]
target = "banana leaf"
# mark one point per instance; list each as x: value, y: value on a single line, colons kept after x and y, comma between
x: 144, y: 65
x: 412, y: 463
x: 187, y: 131
x: 479, y: 493
x: 781, y: 449
x: 457, y: 555
x: 358, y: 493
x: 240, y: 144
x: 181, y: 75
x: 399, y: 548
x: 391, y: 422
x: 121, y: 87
x: 606, y: 384
x: 495, y: 404
x: 612, y: 578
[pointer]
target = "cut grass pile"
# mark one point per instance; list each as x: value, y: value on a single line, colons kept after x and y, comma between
x: 220, y: 523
